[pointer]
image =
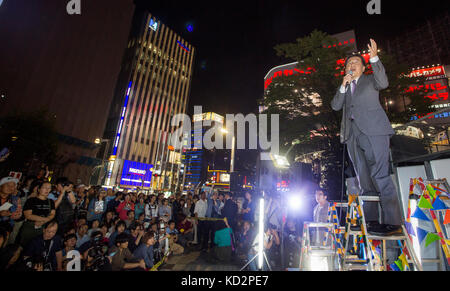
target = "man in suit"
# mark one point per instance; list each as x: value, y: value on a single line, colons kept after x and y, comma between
x: 366, y: 130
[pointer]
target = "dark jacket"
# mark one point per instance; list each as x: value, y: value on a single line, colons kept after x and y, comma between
x: 230, y: 210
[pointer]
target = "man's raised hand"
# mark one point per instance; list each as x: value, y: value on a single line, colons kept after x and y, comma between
x: 373, y: 48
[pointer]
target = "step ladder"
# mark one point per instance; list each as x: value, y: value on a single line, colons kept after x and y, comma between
x: 314, y: 256
x: 372, y: 261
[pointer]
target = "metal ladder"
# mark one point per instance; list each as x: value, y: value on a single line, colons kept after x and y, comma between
x: 324, y: 249
x: 373, y: 261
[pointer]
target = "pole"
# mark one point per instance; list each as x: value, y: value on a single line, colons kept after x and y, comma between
x: 233, y: 150
x: 99, y: 180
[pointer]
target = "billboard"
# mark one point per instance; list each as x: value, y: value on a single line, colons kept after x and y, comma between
x: 136, y: 174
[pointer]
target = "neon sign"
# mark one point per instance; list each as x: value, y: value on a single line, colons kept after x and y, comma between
x: 153, y: 25
x: 346, y: 42
x: 122, y: 118
x: 137, y: 171
x: 183, y: 46
x: 428, y: 72
x: 136, y: 174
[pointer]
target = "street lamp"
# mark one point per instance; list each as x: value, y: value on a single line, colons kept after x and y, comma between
x: 233, y: 148
x: 98, y: 141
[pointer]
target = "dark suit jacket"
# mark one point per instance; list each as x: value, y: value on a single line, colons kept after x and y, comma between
x: 364, y: 105
x: 230, y: 210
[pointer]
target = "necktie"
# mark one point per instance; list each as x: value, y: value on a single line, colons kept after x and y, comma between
x: 353, y: 86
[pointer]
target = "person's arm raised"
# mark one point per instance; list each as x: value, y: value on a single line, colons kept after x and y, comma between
x: 379, y: 72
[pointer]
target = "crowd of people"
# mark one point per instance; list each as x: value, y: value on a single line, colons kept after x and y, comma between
x: 42, y: 222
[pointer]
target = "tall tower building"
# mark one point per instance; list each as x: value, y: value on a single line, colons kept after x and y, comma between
x: 153, y: 86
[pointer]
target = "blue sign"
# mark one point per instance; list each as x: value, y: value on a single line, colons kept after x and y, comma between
x: 136, y: 174
x: 153, y: 25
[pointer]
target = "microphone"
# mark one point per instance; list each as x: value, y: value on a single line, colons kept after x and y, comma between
x: 348, y: 84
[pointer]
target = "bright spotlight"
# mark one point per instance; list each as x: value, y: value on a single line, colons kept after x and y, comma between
x: 280, y: 161
x: 295, y: 202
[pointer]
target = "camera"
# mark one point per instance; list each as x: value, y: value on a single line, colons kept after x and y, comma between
x: 97, y: 259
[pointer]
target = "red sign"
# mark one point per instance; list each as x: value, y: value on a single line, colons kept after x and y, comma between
x: 426, y: 88
x: 287, y: 72
x: 428, y: 72
x: 346, y: 42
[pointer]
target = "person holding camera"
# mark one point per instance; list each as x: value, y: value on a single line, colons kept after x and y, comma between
x: 270, y: 237
x: 151, y: 210
x: 97, y: 207
x: 65, y: 202
x: 94, y: 253
x: 124, y: 207
x: 48, y: 245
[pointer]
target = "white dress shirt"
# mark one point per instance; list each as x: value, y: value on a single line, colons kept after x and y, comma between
x: 201, y: 207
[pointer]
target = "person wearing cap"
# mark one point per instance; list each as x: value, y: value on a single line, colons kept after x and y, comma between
x: 9, y: 201
x: 366, y: 131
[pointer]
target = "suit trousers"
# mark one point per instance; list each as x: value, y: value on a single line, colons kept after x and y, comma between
x: 370, y: 158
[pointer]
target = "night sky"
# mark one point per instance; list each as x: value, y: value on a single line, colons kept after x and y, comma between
x: 235, y: 39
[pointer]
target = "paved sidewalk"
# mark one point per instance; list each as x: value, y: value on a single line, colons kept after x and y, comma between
x: 197, y: 261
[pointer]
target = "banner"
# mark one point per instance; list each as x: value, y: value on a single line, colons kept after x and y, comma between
x: 420, y: 215
x: 424, y: 203
x: 439, y: 205
x: 421, y: 234
x: 431, y: 238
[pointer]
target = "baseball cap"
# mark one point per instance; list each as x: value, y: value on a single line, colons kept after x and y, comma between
x: 7, y: 180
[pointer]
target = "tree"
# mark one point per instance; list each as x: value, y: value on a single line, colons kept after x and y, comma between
x: 31, y: 139
x: 303, y: 101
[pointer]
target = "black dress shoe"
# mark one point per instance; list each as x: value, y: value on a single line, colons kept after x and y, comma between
x: 386, y: 230
x: 355, y: 227
x: 394, y: 230
x: 377, y: 229
x: 370, y: 224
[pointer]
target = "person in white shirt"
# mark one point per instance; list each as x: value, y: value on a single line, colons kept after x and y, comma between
x: 203, y: 227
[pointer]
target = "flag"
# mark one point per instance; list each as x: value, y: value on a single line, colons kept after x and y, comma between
x: 439, y: 205
x: 424, y: 203
x: 421, y: 234
x: 447, y: 217
x: 404, y: 261
x: 410, y: 228
x: 399, y: 265
x: 420, y: 215
x: 431, y: 238
x: 394, y: 267
x: 431, y: 191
